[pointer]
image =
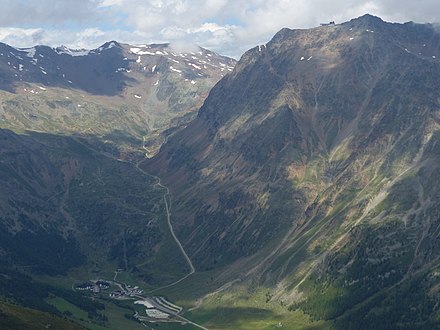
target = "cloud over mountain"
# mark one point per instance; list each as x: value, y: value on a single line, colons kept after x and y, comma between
x: 227, y: 26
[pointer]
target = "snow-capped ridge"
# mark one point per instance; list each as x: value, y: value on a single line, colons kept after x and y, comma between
x: 72, y: 52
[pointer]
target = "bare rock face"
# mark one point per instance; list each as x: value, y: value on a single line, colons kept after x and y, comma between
x: 312, y: 168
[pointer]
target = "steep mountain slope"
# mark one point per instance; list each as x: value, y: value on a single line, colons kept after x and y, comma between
x: 119, y: 92
x: 310, y: 173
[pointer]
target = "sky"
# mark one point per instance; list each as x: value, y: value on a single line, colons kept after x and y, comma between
x: 229, y: 27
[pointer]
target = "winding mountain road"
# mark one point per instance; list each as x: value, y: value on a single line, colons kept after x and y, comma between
x: 176, y: 239
x: 167, y: 209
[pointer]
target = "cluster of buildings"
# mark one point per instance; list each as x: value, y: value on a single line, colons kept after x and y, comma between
x: 95, y: 287
x: 130, y: 292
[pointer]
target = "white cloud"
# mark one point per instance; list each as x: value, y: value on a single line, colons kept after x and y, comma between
x: 30, y: 12
x: 208, y: 27
x: 22, y: 37
x: 226, y: 26
x: 88, y: 38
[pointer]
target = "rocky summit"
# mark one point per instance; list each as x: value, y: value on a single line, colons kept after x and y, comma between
x: 310, y: 176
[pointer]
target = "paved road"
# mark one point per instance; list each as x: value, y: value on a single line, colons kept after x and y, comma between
x: 185, y: 255
x: 167, y: 207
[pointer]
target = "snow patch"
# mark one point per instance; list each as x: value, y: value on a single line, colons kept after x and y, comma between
x: 139, y: 59
x: 175, y: 70
x: 157, y: 83
x: 137, y: 96
x: 71, y: 52
x: 139, y: 51
x: 153, y: 68
x: 195, y: 66
x: 302, y: 58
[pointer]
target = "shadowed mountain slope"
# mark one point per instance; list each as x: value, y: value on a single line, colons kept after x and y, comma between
x: 311, y: 171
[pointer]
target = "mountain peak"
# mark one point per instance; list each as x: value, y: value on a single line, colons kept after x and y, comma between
x: 367, y: 21
x: 109, y: 45
x: 369, y: 18
x: 278, y: 144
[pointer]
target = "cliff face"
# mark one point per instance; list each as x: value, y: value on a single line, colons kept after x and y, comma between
x: 313, y: 165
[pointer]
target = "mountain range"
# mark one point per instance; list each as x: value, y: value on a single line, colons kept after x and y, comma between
x: 300, y: 193
x: 116, y: 92
x: 309, y: 174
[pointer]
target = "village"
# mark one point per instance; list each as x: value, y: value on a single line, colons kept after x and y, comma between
x: 157, y: 308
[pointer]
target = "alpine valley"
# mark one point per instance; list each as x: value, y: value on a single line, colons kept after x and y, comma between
x: 300, y: 193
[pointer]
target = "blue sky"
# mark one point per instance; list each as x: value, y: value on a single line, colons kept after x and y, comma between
x: 229, y: 27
